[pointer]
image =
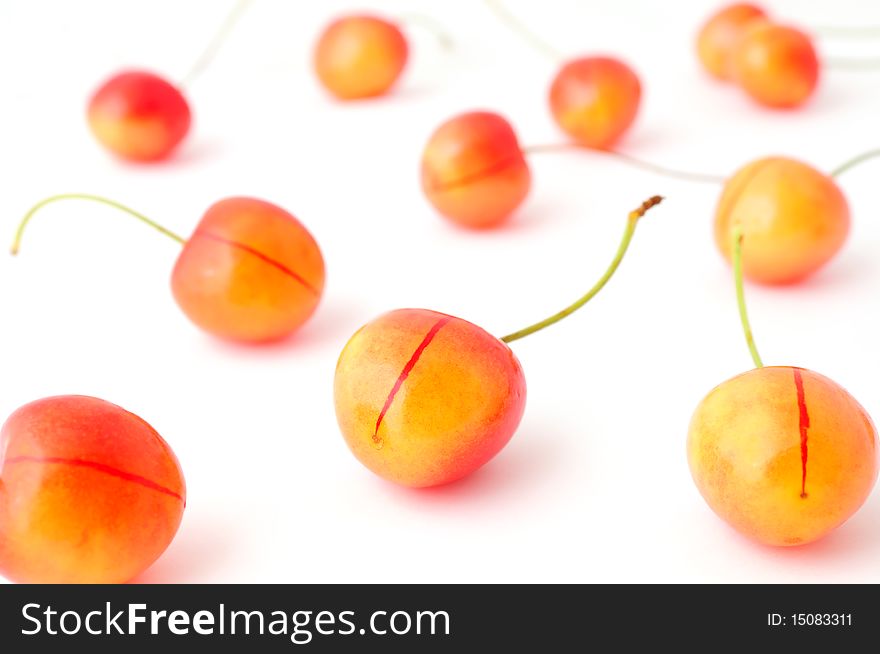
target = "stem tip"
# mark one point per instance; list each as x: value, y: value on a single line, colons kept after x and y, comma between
x: 653, y: 201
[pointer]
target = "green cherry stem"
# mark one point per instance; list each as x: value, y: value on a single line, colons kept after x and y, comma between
x: 94, y: 198
x: 638, y: 163
x: 430, y: 25
x: 741, y: 296
x: 632, y: 221
x: 516, y: 25
x: 216, y: 43
x: 855, y: 161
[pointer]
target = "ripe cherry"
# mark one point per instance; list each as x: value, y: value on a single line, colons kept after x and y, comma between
x: 776, y: 64
x: 782, y: 454
x: 719, y: 36
x: 595, y: 100
x: 423, y: 398
x: 139, y: 116
x: 89, y: 493
x: 473, y: 170
x: 794, y: 218
x: 360, y: 56
x: 250, y: 271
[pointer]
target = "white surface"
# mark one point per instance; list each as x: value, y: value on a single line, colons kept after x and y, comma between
x: 595, y: 485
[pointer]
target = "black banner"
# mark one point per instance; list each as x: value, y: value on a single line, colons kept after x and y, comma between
x: 444, y: 618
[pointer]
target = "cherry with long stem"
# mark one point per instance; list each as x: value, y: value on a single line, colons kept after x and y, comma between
x: 92, y: 198
x: 634, y: 161
x: 631, y: 223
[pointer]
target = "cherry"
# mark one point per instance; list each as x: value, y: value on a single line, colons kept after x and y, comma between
x: 89, y: 493
x: 474, y: 171
x: 423, y: 398
x: 250, y: 271
x: 776, y: 65
x: 139, y: 116
x: 142, y: 117
x: 595, y: 100
x: 782, y: 454
x: 719, y: 36
x: 794, y: 218
x: 360, y: 56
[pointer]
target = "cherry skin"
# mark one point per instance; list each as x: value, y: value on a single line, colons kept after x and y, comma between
x: 139, y: 116
x: 777, y: 65
x: 720, y: 34
x: 595, y: 100
x: 794, y: 219
x: 89, y: 493
x: 425, y: 399
x: 784, y: 455
x: 250, y: 272
x: 360, y: 56
x: 473, y: 170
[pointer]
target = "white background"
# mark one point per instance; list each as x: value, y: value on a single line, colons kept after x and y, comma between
x: 595, y: 485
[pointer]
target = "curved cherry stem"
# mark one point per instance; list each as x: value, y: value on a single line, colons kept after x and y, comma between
x: 516, y: 25
x: 431, y: 25
x: 94, y: 198
x: 741, y: 296
x: 632, y: 221
x: 855, y: 161
x: 216, y: 43
x: 639, y: 163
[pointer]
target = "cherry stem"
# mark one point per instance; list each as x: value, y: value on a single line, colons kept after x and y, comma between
x: 741, y: 296
x: 431, y: 25
x: 516, y: 25
x: 639, y: 163
x: 853, y: 64
x: 214, y: 45
x: 94, y: 198
x: 855, y: 161
x: 632, y: 221
x: 847, y: 31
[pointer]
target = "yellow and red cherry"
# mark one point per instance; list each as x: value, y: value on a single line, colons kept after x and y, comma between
x: 776, y: 64
x: 720, y: 34
x: 139, y: 116
x: 250, y: 272
x: 595, y: 100
x: 423, y: 398
x: 360, y: 56
x: 89, y: 493
x: 473, y: 171
x: 794, y: 219
x: 782, y: 454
